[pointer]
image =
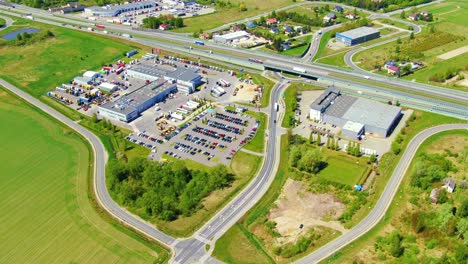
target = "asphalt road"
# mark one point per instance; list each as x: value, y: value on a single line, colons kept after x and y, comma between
x: 8, y: 22
x: 100, y: 160
x: 193, y: 250
x: 384, y: 201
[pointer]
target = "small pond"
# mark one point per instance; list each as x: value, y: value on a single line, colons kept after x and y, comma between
x: 12, y: 35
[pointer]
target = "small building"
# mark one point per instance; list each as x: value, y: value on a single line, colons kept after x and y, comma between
x: 389, y: 63
x: 424, y: 13
x: 288, y: 30
x: 230, y: 37
x: 82, y: 81
x: 285, y: 46
x: 338, y: 8
x: 250, y: 24
x: 358, y: 35
x: 413, y: 16
x: 108, y: 87
x: 235, y: 28
x: 274, y: 30
x: 434, y: 195
x: 163, y: 27
x: 393, y: 70
x: 329, y: 17
x: 91, y: 75
x: 271, y: 21
x: 449, y: 185
x: 185, y: 78
x: 352, y: 130
x: 351, y: 16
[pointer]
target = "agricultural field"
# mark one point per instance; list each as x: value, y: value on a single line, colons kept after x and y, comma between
x: 416, y: 230
x: 231, y: 13
x: 448, y: 33
x: 52, y: 61
x: 46, y: 210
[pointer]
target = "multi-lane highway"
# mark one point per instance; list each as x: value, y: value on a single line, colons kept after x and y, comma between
x: 384, y: 201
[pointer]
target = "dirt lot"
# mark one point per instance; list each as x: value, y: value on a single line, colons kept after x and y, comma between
x: 246, y: 93
x: 296, y: 206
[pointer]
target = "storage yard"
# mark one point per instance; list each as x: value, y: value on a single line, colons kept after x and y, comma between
x: 133, y: 13
x: 169, y: 103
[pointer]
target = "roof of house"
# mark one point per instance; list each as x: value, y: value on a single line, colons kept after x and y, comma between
x: 272, y: 20
x: 449, y: 182
x: 331, y: 15
x: 288, y: 29
x: 393, y: 68
x: 250, y: 24
x: 359, y: 32
x: 274, y: 29
x: 413, y: 15
x: 163, y: 26
x: 339, y: 8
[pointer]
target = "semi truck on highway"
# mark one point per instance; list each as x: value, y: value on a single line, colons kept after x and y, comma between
x: 299, y: 69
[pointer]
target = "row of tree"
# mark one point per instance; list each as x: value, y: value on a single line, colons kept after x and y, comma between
x: 155, y: 22
x: 163, y: 190
x: 26, y: 38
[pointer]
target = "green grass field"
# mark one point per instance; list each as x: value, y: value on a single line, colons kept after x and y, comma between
x: 2, y: 22
x: 47, y: 215
x: 343, y: 168
x: 226, y: 15
x: 258, y: 142
x: 337, y: 60
x: 52, y: 62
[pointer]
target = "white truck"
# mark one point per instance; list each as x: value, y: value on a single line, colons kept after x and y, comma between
x: 299, y: 69
x: 276, y: 107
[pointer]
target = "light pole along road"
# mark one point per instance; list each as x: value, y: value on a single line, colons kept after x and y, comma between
x: 385, y: 199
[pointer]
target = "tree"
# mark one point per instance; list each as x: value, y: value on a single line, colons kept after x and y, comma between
x: 311, y: 138
x: 398, y: 41
x: 411, y: 36
x: 396, y: 248
x: 242, y: 7
x: 463, y: 210
x: 372, y: 158
x: 19, y: 37
x: 319, y: 139
x: 311, y: 161
x: 328, y: 142
x: 295, y: 155
x: 397, y: 49
x: 443, y: 197
x: 403, y: 14
x: 396, y: 148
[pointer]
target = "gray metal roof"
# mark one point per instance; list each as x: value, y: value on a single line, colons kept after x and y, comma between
x: 127, y: 103
x: 359, y: 32
x: 341, y: 105
x: 149, y: 70
x: 183, y: 74
x: 372, y: 113
x: 324, y: 99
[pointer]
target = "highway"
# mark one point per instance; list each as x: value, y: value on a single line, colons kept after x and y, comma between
x: 239, y: 56
x: 384, y: 201
x: 100, y: 160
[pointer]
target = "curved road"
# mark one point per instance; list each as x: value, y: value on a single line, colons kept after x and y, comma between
x: 8, y: 22
x: 384, y: 201
x: 100, y: 160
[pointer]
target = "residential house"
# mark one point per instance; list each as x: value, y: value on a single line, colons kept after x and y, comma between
x: 272, y: 21
x: 351, y: 16
x: 288, y: 30
x: 204, y: 35
x: 449, y: 185
x: 434, y: 195
x: 389, y: 63
x: 338, y: 8
x: 424, y: 13
x: 413, y: 16
x: 163, y: 27
x: 393, y: 70
x: 285, y: 46
x: 274, y: 30
x: 329, y: 17
x: 235, y: 28
x: 299, y: 29
x: 250, y: 24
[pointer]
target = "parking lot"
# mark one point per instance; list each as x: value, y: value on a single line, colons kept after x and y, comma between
x: 212, y: 137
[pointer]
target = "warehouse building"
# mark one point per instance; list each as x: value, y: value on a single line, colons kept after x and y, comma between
x: 230, y: 37
x: 186, y: 79
x: 115, y: 10
x: 358, y: 35
x: 355, y: 115
x: 131, y: 105
x: 108, y: 87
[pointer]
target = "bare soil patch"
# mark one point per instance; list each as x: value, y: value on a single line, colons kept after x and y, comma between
x: 298, y: 206
x: 453, y: 53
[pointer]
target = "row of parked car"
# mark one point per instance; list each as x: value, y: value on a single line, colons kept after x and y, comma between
x: 203, y: 142
x: 231, y: 119
x: 213, y: 134
x: 224, y: 127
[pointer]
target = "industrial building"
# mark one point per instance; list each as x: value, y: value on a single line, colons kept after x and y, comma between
x: 187, y: 79
x: 228, y: 38
x: 115, y: 10
x: 355, y: 115
x: 358, y: 35
x: 131, y: 105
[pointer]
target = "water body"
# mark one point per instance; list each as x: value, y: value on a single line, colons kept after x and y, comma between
x: 12, y: 35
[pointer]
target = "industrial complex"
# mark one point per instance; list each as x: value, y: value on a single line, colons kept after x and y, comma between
x: 114, y: 10
x: 356, y: 116
x: 358, y: 35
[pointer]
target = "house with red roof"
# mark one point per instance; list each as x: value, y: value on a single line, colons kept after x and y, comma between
x: 163, y: 27
x: 272, y: 21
